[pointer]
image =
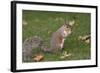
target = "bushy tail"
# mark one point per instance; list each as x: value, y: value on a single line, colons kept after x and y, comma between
x: 45, y: 48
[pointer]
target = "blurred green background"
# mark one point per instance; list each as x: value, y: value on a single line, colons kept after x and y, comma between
x: 44, y: 23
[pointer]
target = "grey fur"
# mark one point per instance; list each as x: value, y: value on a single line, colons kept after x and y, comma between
x: 57, y: 37
x: 28, y: 45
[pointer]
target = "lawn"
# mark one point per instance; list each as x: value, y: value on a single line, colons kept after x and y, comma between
x: 44, y: 23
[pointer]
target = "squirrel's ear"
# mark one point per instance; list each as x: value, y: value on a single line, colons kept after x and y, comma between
x: 66, y: 22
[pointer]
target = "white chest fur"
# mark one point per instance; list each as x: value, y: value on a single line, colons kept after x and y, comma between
x: 61, y: 45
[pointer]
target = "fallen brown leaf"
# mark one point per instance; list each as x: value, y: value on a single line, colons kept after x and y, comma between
x: 65, y: 55
x: 38, y: 57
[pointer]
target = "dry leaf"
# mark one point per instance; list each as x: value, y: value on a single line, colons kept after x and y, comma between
x: 71, y: 23
x: 85, y: 38
x: 87, y: 41
x: 65, y: 55
x: 24, y: 22
x: 38, y: 57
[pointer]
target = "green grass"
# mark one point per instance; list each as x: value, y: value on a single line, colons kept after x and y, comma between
x: 43, y: 24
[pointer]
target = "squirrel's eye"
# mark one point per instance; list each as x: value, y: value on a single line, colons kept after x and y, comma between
x: 66, y: 26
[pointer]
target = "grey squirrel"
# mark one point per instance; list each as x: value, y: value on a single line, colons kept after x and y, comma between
x: 56, y: 41
x: 58, y: 37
